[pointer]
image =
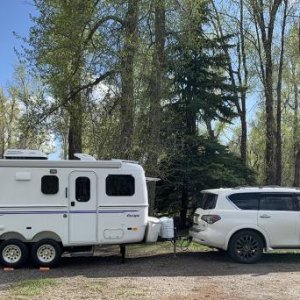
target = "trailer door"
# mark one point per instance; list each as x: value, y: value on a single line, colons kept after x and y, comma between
x: 82, y: 207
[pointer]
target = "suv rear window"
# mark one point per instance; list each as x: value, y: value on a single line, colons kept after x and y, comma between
x: 208, y: 201
x: 247, y: 201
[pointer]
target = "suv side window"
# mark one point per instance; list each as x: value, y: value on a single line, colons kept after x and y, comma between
x: 278, y: 201
x: 248, y: 201
x: 297, y: 196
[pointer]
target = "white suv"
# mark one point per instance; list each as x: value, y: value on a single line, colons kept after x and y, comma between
x: 246, y: 220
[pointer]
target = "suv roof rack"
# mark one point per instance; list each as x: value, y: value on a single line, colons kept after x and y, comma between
x: 242, y: 186
x: 271, y: 186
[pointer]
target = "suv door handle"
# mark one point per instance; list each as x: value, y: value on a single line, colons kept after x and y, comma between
x: 265, y: 216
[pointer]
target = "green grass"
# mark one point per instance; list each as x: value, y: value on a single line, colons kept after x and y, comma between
x: 163, y: 248
x: 28, y: 289
x: 129, y: 291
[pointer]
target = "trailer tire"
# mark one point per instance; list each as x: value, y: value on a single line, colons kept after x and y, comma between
x: 13, y: 253
x: 46, y: 253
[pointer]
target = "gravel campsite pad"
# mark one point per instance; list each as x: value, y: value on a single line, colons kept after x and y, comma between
x: 152, y: 272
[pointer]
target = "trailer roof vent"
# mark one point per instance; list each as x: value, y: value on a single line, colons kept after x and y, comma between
x: 84, y: 156
x: 24, y: 154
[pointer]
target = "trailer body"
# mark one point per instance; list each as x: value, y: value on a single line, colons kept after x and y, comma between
x: 73, y: 203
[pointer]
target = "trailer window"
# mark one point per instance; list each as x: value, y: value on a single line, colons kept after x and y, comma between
x: 120, y: 185
x: 49, y: 184
x: 83, y: 189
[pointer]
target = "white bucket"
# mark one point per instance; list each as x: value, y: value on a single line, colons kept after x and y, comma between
x: 153, y: 228
x: 167, y: 228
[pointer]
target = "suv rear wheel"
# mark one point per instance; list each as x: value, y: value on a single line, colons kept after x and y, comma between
x: 246, y: 247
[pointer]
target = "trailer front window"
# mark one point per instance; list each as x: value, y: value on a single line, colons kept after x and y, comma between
x: 49, y: 184
x: 120, y: 185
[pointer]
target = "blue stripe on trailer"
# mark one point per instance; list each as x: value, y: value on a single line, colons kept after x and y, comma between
x: 64, y: 212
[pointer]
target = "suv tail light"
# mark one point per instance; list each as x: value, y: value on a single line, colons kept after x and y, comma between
x: 211, y: 219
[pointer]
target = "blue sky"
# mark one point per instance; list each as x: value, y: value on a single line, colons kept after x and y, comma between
x: 14, y: 16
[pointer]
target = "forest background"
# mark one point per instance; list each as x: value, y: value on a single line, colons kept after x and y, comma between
x: 202, y: 93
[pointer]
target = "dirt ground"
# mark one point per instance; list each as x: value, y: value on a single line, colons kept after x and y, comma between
x: 157, y: 274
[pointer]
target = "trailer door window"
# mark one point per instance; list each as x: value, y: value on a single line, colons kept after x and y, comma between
x: 49, y: 184
x: 83, y: 189
x: 120, y: 185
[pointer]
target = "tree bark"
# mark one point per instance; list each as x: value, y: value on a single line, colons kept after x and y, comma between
x: 156, y: 87
x: 75, y: 109
x: 297, y: 170
x: 243, y: 85
x: 127, y: 78
x: 279, y: 103
x: 266, y: 35
x: 184, y: 205
x: 242, y: 77
x: 296, y: 139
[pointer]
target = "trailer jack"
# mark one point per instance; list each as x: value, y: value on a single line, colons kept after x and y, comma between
x: 123, y: 253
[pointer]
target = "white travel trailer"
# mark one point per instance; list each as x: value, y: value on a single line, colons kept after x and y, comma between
x: 47, y: 207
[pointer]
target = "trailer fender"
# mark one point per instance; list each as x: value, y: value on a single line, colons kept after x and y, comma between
x: 12, y: 236
x: 46, y: 235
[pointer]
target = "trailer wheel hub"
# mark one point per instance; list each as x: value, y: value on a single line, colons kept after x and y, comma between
x: 11, y: 254
x: 46, y: 253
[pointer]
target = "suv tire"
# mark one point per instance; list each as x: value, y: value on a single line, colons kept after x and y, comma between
x: 246, y: 247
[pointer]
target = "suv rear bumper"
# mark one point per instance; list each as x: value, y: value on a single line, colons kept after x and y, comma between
x: 207, y: 237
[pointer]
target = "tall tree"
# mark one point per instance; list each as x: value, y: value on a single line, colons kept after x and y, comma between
x: 156, y: 85
x: 265, y: 14
x: 239, y: 76
x: 201, y: 92
x: 278, y: 164
x: 62, y: 51
x: 127, y: 78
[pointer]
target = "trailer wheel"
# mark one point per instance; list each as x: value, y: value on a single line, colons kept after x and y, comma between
x: 46, y: 253
x: 13, y: 253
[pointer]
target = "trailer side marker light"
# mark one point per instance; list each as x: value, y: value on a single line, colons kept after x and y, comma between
x: 132, y: 228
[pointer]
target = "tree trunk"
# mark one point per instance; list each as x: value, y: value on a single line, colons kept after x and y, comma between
x: 296, y: 128
x: 279, y: 103
x: 127, y: 77
x: 75, y: 127
x: 244, y: 129
x: 184, y: 206
x: 156, y: 87
x: 242, y: 74
x: 270, y: 130
x: 297, y: 170
x: 266, y: 37
x: 296, y: 149
x: 243, y: 85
